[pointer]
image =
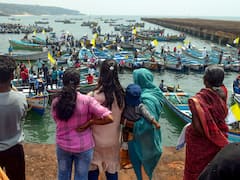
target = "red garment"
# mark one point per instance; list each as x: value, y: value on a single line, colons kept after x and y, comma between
x: 90, y: 79
x: 211, y: 110
x: 77, y: 65
x: 24, y: 74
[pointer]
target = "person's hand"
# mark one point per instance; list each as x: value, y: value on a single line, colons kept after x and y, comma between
x: 157, y: 125
x: 84, y: 126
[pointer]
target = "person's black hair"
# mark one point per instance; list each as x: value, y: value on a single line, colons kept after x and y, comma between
x: 109, y: 84
x: 67, y: 96
x: 214, y: 75
x: 7, y: 67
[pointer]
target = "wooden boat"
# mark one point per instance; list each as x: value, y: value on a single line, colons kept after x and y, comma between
x: 162, y: 38
x: 85, y: 54
x: 101, y: 55
x: 83, y: 88
x: 178, y: 102
x: 38, y: 40
x: 233, y: 119
x: 36, y: 103
x: 41, y: 22
x: 68, y: 22
x: 187, y: 63
x: 89, y: 23
x: 18, y: 44
x: 27, y: 57
x: 236, y: 98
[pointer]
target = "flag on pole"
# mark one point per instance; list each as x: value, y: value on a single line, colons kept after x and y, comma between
x: 95, y: 35
x: 179, y: 46
x: 236, y: 41
x: 93, y: 42
x: 51, y: 59
x: 185, y: 41
x: 233, y: 114
x: 134, y: 31
x: 154, y: 43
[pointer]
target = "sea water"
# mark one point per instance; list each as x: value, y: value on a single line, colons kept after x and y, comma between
x: 41, y: 129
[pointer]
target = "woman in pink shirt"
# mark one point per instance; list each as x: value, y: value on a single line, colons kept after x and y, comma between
x: 70, y: 110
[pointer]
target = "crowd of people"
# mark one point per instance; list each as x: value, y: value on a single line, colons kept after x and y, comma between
x: 92, y: 129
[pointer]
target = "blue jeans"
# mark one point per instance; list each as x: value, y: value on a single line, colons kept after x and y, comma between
x: 81, y: 164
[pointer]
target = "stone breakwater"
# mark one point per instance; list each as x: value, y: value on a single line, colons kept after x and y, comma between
x: 219, y: 31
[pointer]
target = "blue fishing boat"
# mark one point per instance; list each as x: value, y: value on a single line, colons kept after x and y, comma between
x: 101, y: 55
x: 38, y: 103
x: 22, y: 45
x: 180, y: 62
x: 178, y: 102
x: 85, y: 54
x: 27, y: 56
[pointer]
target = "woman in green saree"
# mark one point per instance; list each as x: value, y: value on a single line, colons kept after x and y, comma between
x: 145, y: 149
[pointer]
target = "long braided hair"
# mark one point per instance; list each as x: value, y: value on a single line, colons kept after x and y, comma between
x: 67, y: 96
x: 109, y: 84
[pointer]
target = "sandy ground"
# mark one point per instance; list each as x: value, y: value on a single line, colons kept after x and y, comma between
x: 41, y: 164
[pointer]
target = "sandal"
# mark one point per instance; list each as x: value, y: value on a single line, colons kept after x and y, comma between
x: 127, y: 166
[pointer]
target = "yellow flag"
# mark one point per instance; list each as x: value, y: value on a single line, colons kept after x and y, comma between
x: 93, y: 42
x: 236, y: 111
x: 95, y: 35
x: 82, y: 44
x: 154, y: 43
x: 185, y: 41
x: 236, y: 41
x: 179, y: 47
x: 43, y: 31
x: 51, y: 59
x: 134, y: 31
x: 34, y: 32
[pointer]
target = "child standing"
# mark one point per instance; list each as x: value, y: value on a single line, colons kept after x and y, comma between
x: 133, y: 111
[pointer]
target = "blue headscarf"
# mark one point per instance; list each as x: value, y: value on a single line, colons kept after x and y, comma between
x: 146, y: 149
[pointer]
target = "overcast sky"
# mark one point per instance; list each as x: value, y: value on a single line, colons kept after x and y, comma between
x: 222, y: 8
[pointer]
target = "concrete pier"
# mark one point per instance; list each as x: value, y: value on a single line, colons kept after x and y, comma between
x: 219, y: 31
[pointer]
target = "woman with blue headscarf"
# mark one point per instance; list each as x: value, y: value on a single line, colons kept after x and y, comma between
x: 145, y: 149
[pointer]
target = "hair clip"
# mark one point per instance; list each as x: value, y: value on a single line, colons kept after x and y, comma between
x: 71, y: 82
x: 111, y: 68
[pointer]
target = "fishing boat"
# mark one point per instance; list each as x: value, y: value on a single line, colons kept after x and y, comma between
x: 85, y: 54
x: 182, y: 62
x: 101, y: 55
x: 18, y: 44
x: 236, y: 98
x: 83, y: 88
x: 162, y: 38
x: 41, y: 22
x: 37, y: 103
x: 27, y: 56
x: 178, y: 102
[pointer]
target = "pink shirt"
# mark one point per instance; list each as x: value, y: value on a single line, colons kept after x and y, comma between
x: 66, y: 135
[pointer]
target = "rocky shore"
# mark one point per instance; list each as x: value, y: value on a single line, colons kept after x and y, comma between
x: 41, y: 164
